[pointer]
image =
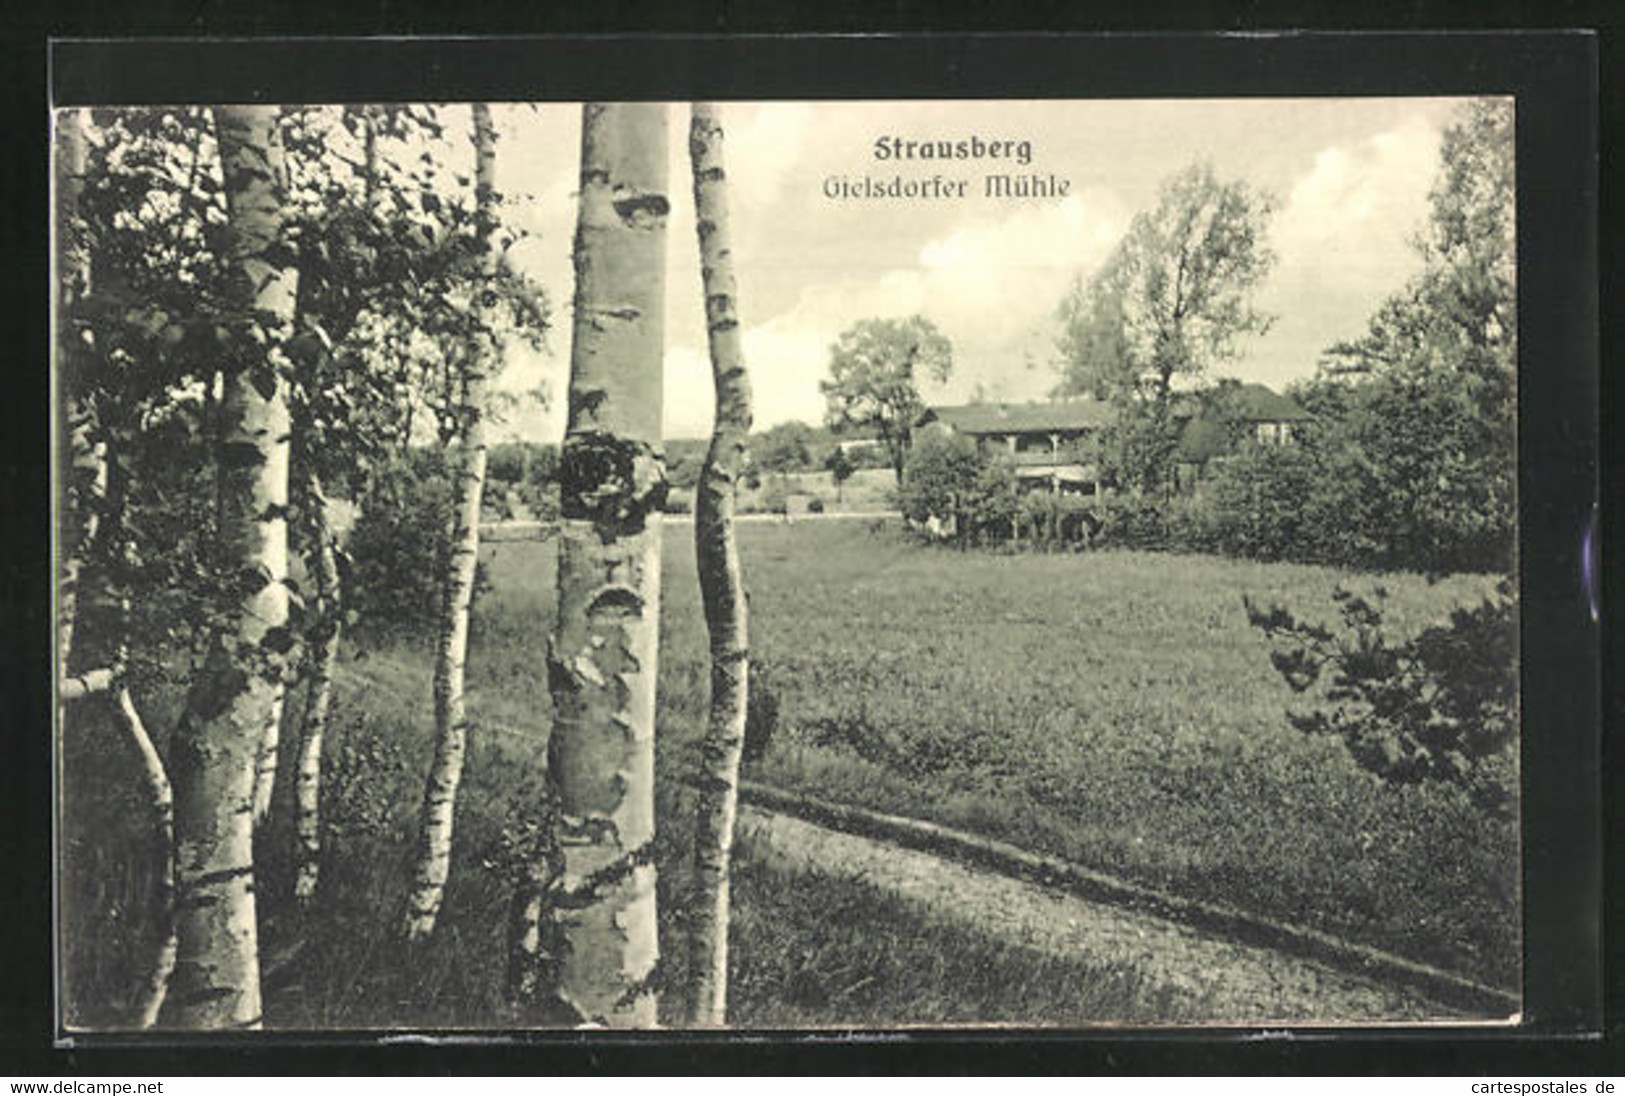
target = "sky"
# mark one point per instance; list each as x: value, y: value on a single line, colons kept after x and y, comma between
x: 1350, y: 178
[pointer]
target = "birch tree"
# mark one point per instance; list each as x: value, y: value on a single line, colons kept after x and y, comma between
x: 602, y: 661
x: 86, y: 480
x: 101, y: 494
x: 237, y: 691
x: 721, y: 585
x: 450, y: 712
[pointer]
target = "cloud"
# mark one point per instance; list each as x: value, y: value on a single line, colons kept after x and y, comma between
x: 991, y: 285
x: 1351, y: 214
x: 1343, y: 242
x: 775, y: 134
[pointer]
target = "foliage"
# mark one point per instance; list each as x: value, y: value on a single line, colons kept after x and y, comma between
x: 1424, y: 440
x: 775, y: 497
x: 684, y: 472
x: 1175, y: 295
x: 388, y: 263
x: 524, y: 470
x: 1409, y: 459
x: 1172, y: 299
x: 786, y: 447
x: 1441, y: 707
x: 875, y: 367
x: 950, y: 482
x: 401, y: 541
x: 840, y: 466
x: 1261, y: 504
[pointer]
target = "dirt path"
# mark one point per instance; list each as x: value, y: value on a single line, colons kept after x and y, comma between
x: 1219, y: 980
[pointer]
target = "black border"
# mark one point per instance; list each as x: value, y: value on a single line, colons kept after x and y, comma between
x: 1554, y: 76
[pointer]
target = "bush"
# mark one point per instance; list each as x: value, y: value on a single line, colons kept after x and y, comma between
x: 1127, y: 521
x: 815, y: 505
x: 951, y: 483
x: 1439, y: 708
x: 775, y: 499
x: 400, y: 544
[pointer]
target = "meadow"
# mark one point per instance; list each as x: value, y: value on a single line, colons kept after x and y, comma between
x: 1114, y: 708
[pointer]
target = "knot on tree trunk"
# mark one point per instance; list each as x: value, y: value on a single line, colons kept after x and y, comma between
x: 613, y: 482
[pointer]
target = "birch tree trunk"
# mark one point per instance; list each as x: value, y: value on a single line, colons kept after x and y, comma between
x: 457, y: 585
x: 603, y: 658
x: 237, y: 692
x: 92, y: 476
x: 87, y: 465
x: 721, y: 586
x: 160, y: 797
x: 321, y: 653
x: 265, y: 761
x: 326, y: 632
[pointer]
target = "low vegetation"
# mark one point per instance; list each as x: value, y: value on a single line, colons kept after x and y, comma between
x: 1115, y: 708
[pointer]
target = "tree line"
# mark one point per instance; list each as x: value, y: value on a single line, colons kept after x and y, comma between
x: 1406, y: 461
x: 263, y: 310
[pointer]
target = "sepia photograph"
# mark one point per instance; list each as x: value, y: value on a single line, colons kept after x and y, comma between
x: 778, y: 565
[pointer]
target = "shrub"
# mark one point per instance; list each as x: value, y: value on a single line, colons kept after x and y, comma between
x: 775, y: 499
x: 1440, y: 708
x: 949, y: 480
x: 1128, y: 521
x: 400, y: 543
x: 815, y: 505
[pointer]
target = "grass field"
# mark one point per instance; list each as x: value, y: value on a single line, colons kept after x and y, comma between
x: 1113, y: 708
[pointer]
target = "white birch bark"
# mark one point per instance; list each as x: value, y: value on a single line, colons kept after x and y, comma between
x: 721, y: 585
x: 87, y: 463
x: 91, y: 470
x: 457, y: 585
x: 160, y: 798
x: 602, y: 662
x: 237, y: 691
x: 322, y: 652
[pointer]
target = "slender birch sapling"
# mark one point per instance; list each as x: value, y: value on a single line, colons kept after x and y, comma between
x: 721, y: 584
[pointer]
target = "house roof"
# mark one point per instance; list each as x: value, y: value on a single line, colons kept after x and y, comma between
x: 1258, y: 403
x: 1015, y: 418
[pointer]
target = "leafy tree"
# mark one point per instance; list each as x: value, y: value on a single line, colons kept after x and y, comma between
x: 949, y: 479
x: 1428, y: 395
x: 400, y: 543
x: 1261, y: 504
x: 786, y: 447
x: 840, y: 467
x: 1439, y: 708
x: 1171, y: 300
x: 685, y: 471
x: 874, y: 370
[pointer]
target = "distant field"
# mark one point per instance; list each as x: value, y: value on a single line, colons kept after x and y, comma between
x: 1115, y: 708
x: 867, y: 491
